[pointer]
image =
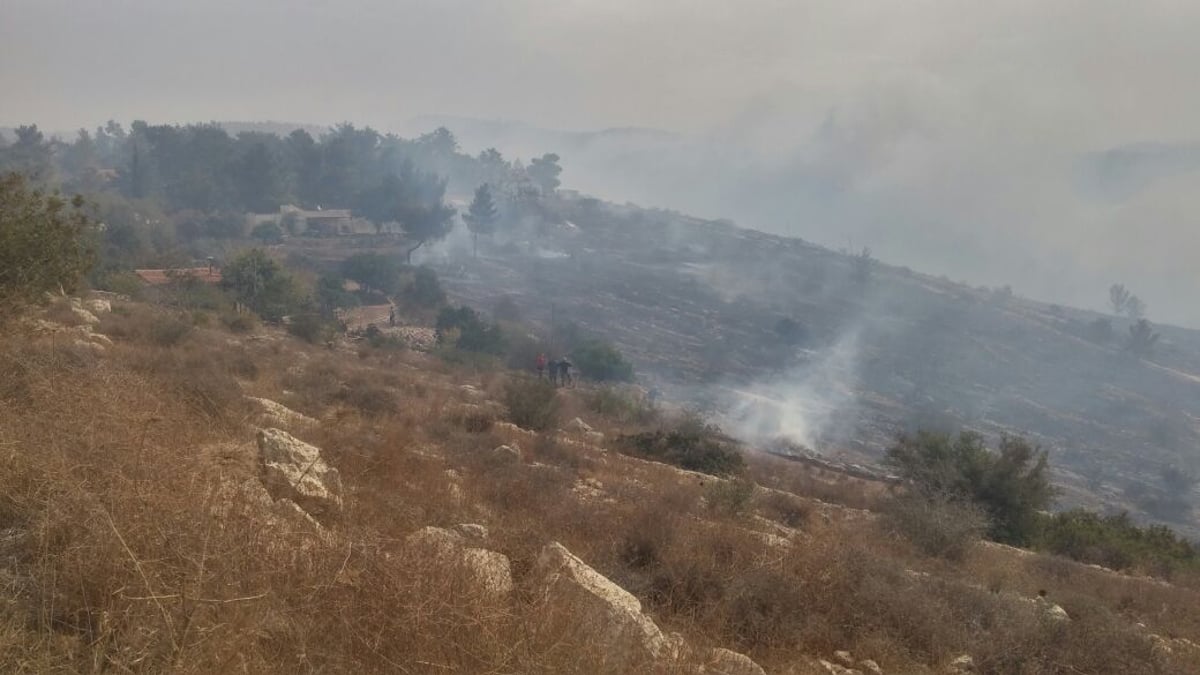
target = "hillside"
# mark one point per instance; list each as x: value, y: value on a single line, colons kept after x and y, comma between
x: 878, y: 349
x: 180, y: 497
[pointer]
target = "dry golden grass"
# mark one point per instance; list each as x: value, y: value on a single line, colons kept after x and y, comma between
x: 125, y: 545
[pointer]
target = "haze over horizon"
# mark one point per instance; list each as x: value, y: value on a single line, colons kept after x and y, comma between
x: 1051, y: 146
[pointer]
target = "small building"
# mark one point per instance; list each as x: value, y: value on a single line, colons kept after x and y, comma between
x: 318, y: 222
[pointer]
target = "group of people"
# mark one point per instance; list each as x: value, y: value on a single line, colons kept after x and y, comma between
x: 560, y: 370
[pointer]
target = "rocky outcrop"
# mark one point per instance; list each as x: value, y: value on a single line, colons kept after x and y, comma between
x: 97, y: 305
x: 725, y: 662
x: 487, y: 574
x: 609, y: 615
x: 295, y: 470
x: 961, y: 665
x: 509, y: 453
x: 273, y: 414
x: 578, y: 426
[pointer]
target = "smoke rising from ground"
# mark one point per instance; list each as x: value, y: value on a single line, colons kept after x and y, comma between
x: 805, y: 404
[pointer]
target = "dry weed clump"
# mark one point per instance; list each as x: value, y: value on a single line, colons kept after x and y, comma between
x: 808, y: 481
x: 939, y: 527
x: 531, y: 404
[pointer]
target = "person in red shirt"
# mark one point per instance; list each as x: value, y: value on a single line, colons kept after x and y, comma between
x: 541, y: 365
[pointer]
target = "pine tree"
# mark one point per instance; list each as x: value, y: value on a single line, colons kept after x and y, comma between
x: 481, y: 217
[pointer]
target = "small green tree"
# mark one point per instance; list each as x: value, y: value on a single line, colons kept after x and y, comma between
x: 482, y: 215
x: 44, y: 243
x: 1010, y: 484
x: 373, y: 272
x: 425, y: 289
x: 544, y: 172
x: 261, y: 284
x: 602, y: 362
x: 1142, y: 338
x: 474, y: 334
x: 268, y: 233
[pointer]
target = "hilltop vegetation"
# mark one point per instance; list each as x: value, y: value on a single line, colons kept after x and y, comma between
x: 244, y: 476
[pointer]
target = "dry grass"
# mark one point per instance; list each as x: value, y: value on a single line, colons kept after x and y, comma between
x: 125, y: 548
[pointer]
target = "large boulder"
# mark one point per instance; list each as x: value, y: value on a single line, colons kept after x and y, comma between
x: 486, y: 573
x: 607, y: 614
x: 294, y: 470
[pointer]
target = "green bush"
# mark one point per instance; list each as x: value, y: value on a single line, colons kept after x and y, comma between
x: 463, y: 328
x: 619, y: 406
x: 44, y: 243
x: 600, y: 361
x: 239, y: 322
x: 268, y: 233
x: 1011, y: 485
x: 425, y: 289
x: 531, y: 403
x: 729, y: 498
x: 691, y: 445
x: 261, y: 284
x: 1116, y: 542
x: 311, y: 327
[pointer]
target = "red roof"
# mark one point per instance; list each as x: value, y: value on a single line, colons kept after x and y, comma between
x: 159, y: 277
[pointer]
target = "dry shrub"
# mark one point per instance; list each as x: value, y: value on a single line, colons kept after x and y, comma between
x: 784, y: 508
x: 803, y: 479
x: 368, y: 395
x: 939, y: 527
x: 144, y: 325
x: 531, y: 403
x: 729, y: 498
x: 211, y: 392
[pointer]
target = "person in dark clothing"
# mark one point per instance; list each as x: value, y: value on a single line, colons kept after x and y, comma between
x: 553, y: 367
x: 564, y: 372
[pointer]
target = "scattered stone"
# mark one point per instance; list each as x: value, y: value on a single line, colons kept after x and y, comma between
x: 94, y: 348
x: 488, y: 573
x: 84, y: 316
x: 835, y: 669
x: 278, y: 415
x: 472, y: 392
x: 962, y: 664
x: 98, y: 306
x: 1052, y: 611
x: 870, y: 667
x: 509, y: 452
x: 608, y: 614
x: 294, y: 469
x: 578, y: 426
x: 844, y: 657
x: 725, y: 662
x: 594, y: 437
x: 514, y: 431
x: 471, y: 531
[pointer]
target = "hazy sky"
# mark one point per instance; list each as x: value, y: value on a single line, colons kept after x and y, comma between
x: 959, y: 124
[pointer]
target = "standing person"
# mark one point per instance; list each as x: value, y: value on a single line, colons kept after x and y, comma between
x: 553, y: 365
x: 564, y: 372
x: 541, y: 365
